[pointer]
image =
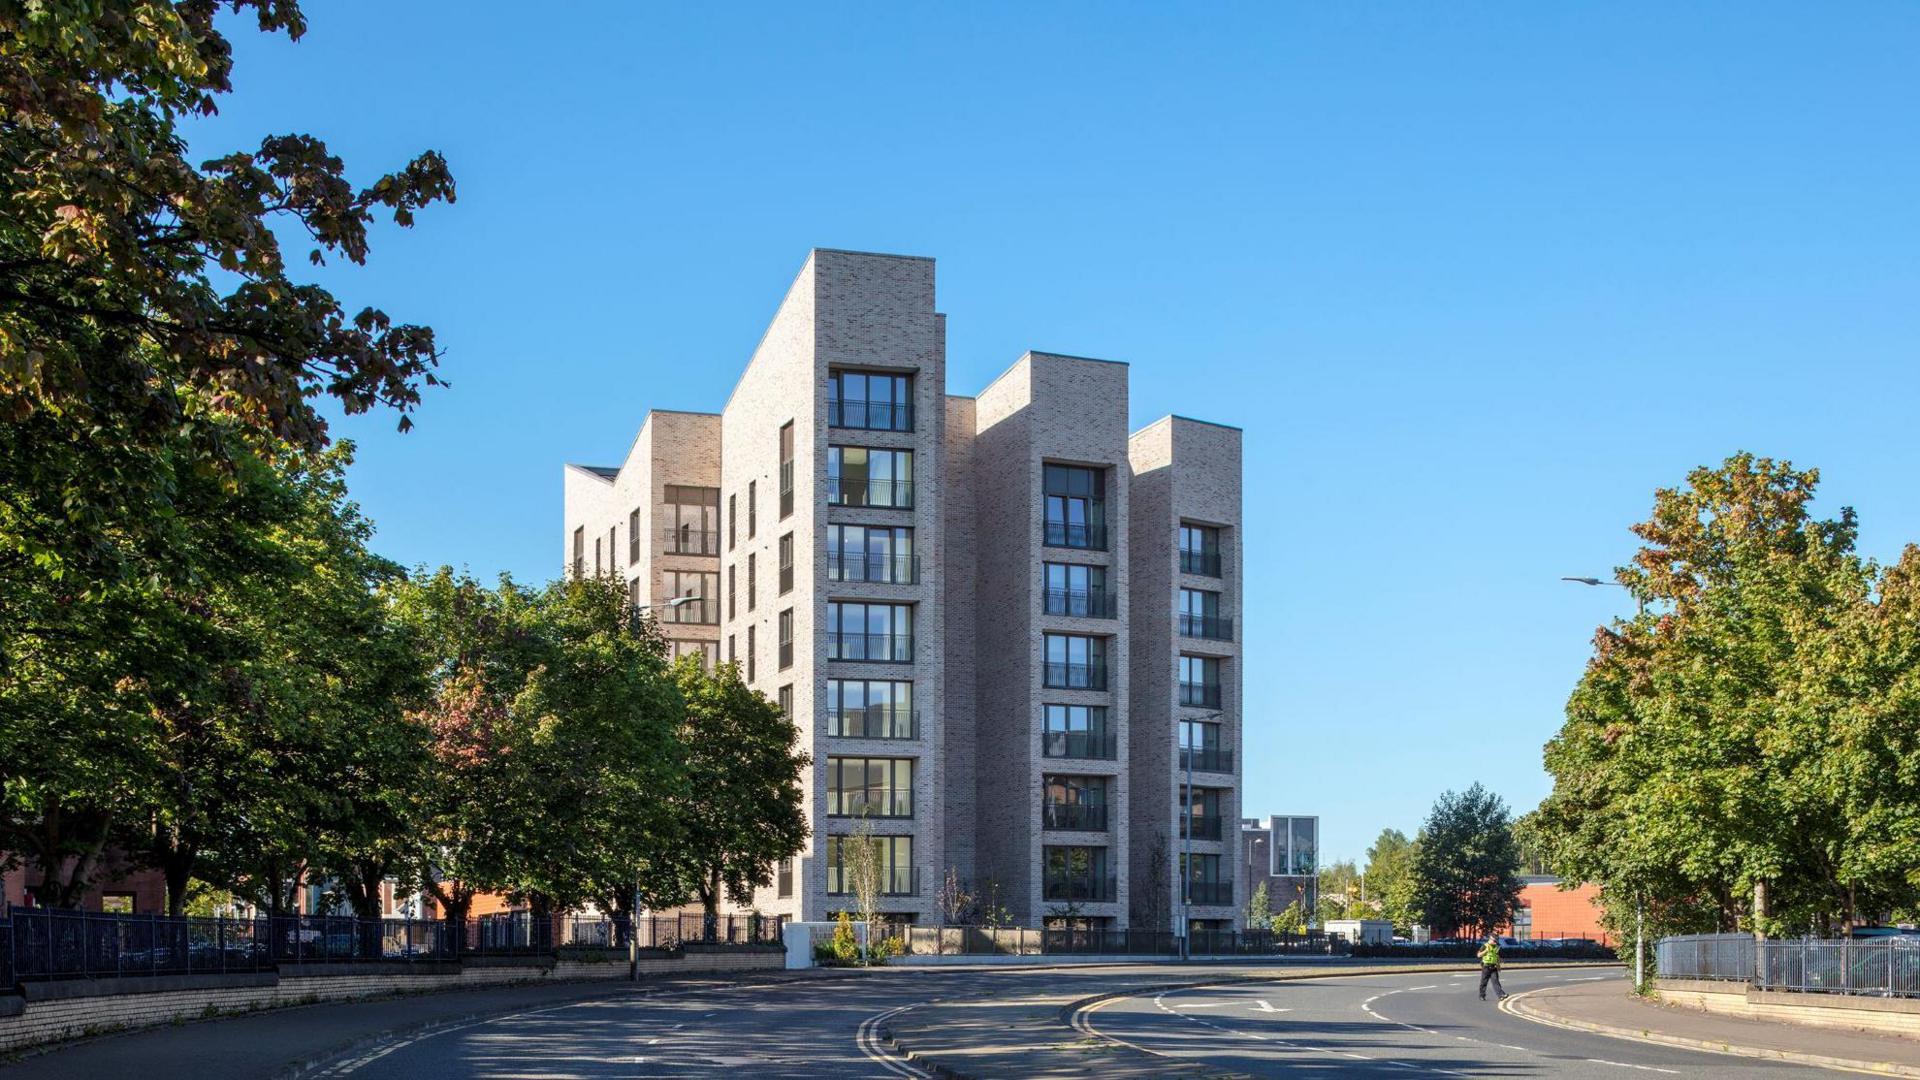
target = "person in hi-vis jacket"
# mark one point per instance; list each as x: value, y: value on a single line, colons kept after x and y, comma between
x: 1490, y: 967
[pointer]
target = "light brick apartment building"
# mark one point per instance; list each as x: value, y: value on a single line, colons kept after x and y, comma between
x: 1003, y: 623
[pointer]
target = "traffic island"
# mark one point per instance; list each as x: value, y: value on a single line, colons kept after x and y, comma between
x: 1608, y: 1008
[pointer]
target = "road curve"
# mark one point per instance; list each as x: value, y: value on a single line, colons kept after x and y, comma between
x: 1390, y: 1026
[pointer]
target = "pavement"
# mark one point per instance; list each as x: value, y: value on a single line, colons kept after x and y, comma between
x: 1116, y: 1023
x: 1606, y: 1008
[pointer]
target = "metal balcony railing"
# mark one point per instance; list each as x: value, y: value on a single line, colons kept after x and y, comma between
x: 879, y: 569
x: 1072, y: 887
x: 1204, y: 695
x: 1210, y: 892
x: 1093, y: 745
x: 1201, y: 828
x: 1071, y: 676
x: 1204, y: 563
x: 879, y: 648
x: 686, y: 540
x: 874, y: 722
x: 1082, y: 604
x: 1076, y: 535
x: 885, y: 494
x: 869, y: 415
x: 1077, y: 817
x: 864, y: 803
x: 700, y: 611
x: 894, y: 881
x: 1211, y: 627
x: 1206, y: 759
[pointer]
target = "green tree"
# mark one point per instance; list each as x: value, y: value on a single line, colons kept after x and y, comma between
x: 741, y: 812
x: 1292, y: 920
x: 1467, y: 864
x: 1260, y: 908
x: 1390, y: 881
x: 1339, y: 893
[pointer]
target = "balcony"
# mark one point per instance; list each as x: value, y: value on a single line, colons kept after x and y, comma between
x: 1206, y: 759
x: 695, y: 612
x: 875, y: 804
x: 869, y: 415
x: 1083, y: 676
x: 1210, y: 627
x: 1201, y: 828
x: 1088, y: 887
x: 894, y: 881
x: 1069, y: 534
x: 873, y: 648
x: 883, y: 494
x: 1210, y: 892
x: 874, y: 723
x: 879, y: 569
x: 686, y: 540
x: 1082, y: 604
x: 1204, y: 563
x: 1202, y: 695
x: 1075, y: 817
x: 1092, y: 745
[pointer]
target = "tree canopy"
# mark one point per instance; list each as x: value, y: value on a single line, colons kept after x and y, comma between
x: 1466, y: 865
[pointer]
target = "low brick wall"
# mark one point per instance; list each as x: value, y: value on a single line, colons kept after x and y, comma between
x: 1895, y: 1016
x: 56, y: 1011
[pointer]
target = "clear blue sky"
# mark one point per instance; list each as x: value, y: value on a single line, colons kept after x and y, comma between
x: 1475, y: 279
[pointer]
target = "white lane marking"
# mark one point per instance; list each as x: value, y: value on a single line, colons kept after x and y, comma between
x: 1261, y: 1005
x: 1367, y: 1007
x: 868, y: 1040
x: 1173, y: 1010
x: 1630, y: 1065
x: 353, y: 1065
x: 1435, y: 986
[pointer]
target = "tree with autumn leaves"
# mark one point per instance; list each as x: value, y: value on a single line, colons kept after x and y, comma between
x: 1745, y: 754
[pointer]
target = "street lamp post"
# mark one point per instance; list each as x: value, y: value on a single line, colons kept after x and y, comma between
x: 1639, y: 909
x: 633, y: 915
x: 1186, y: 870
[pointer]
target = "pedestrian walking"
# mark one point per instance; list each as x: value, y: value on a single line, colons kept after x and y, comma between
x: 1490, y: 967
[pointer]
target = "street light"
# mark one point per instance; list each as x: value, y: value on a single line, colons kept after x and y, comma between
x: 1186, y: 874
x: 633, y: 929
x: 1639, y: 911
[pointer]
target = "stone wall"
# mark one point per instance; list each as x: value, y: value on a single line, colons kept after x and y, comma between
x: 56, y: 1011
x: 1894, y: 1016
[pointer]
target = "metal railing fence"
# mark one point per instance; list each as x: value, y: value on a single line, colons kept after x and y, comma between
x: 1873, y: 967
x: 1705, y: 956
x: 1083, y: 941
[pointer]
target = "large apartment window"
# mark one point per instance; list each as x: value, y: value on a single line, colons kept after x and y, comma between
x: 750, y: 652
x: 1206, y: 879
x: 1200, y: 681
x: 786, y: 639
x: 1200, y: 742
x: 876, y: 402
x: 1076, y: 662
x: 898, y: 877
x: 753, y: 580
x: 1303, y: 855
x: 1200, y: 550
x: 703, y: 586
x: 786, y: 469
x: 580, y: 552
x: 707, y: 651
x: 869, y: 631
x: 871, y: 787
x: 861, y: 476
x: 870, y: 708
x: 881, y: 553
x: 633, y: 537
x: 1077, y: 731
x: 786, y: 564
x: 1075, y: 803
x: 1078, y: 591
x: 690, y: 521
x: 1200, y: 616
x: 1200, y: 812
x: 1076, y: 504
x: 1076, y: 873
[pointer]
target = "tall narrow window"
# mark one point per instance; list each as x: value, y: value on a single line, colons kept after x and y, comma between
x: 753, y: 579
x: 750, y: 652
x: 786, y: 639
x: 785, y: 700
x: 733, y: 520
x: 1076, y: 506
x: 580, y: 552
x: 613, y: 553
x: 633, y: 537
x: 733, y: 653
x: 786, y: 564
x: 730, y: 582
x: 786, y: 469
x: 753, y: 506
x: 597, y: 570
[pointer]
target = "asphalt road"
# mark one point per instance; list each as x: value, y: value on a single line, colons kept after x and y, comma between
x: 1390, y: 1026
